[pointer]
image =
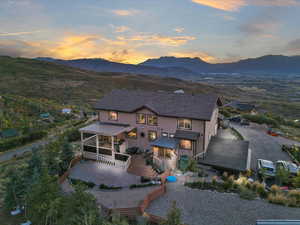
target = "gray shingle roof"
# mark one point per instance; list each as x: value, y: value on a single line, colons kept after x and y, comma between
x: 184, y: 134
x: 199, y: 107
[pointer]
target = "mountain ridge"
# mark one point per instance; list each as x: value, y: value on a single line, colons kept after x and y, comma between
x: 189, y: 68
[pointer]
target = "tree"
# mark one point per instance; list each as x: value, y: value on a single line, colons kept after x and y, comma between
x: 66, y: 156
x: 39, y: 200
x: 282, y: 176
x: 174, y: 215
x: 296, y: 181
x: 15, y: 189
x: 81, y: 209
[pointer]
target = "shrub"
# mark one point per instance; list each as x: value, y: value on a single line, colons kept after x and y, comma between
x: 294, y: 194
x: 275, y: 189
x: 246, y: 193
x: 106, y: 187
x: 228, y: 183
x: 225, y: 176
x: 81, y: 182
x: 278, y: 198
x: 192, y: 166
x: 261, y: 191
x: 141, y: 185
x: 214, y: 181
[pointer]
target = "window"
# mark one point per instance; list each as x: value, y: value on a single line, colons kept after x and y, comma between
x: 152, y: 120
x: 140, y: 118
x: 164, y: 134
x: 113, y: 115
x: 184, y: 124
x: 132, y: 134
x: 152, y: 135
x: 185, y: 144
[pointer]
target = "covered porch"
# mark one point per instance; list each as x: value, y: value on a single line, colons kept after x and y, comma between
x: 165, y: 152
x: 106, y: 143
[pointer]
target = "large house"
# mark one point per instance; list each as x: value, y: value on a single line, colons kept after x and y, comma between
x: 169, y: 124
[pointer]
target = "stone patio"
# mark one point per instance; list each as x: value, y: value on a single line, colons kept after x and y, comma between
x: 100, y: 173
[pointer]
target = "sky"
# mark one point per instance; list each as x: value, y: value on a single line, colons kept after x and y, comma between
x: 132, y: 31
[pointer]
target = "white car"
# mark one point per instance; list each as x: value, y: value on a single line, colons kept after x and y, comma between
x: 289, y: 166
x: 266, y: 167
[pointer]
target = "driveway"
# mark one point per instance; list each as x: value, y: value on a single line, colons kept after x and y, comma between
x: 200, y: 207
x: 263, y: 146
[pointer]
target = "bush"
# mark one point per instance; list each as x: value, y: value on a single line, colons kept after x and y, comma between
x: 141, y: 185
x: 275, y: 189
x: 261, y: 191
x: 294, y: 194
x: 278, y: 198
x: 228, y: 183
x: 106, y: 187
x: 262, y: 119
x: 81, y: 182
x: 246, y: 193
x: 192, y: 166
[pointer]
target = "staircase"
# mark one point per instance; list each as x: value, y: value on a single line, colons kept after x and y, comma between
x: 138, y: 167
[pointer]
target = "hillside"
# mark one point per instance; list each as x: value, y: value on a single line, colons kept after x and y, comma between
x: 33, y: 78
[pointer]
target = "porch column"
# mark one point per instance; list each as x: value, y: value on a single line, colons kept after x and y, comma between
x: 113, y: 146
x: 97, y: 146
x: 81, y: 145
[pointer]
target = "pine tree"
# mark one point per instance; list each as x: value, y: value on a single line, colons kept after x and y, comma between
x: 174, y: 215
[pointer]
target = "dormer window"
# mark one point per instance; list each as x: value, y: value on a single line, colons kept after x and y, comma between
x: 185, y: 124
x: 112, y: 115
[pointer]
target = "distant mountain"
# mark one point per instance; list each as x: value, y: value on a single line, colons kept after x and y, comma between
x: 102, y: 65
x: 274, y: 64
x: 190, y: 68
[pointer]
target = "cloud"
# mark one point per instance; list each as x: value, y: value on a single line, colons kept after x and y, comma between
x: 179, y: 29
x: 158, y: 39
x: 121, y: 29
x: 263, y: 25
x: 124, y: 12
x: 20, y: 33
x: 235, y: 5
x: 226, y: 5
x: 293, y: 46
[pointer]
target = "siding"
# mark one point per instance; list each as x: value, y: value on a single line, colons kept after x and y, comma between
x: 165, y: 124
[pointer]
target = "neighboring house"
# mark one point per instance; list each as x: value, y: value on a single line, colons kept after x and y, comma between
x: 8, y: 133
x: 169, y: 124
x: 66, y: 111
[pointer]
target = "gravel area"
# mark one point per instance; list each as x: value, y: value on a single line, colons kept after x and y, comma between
x: 262, y: 145
x: 206, y: 207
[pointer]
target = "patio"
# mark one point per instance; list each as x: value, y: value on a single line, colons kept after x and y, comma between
x: 100, y: 173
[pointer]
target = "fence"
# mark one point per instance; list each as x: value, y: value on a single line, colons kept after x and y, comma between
x: 73, y: 162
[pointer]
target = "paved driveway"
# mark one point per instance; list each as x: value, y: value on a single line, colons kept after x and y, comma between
x: 214, y: 208
x: 263, y: 146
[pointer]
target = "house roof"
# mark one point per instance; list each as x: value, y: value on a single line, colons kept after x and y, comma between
x: 109, y: 129
x: 165, y: 142
x: 199, y: 107
x: 184, y: 134
x: 9, y: 133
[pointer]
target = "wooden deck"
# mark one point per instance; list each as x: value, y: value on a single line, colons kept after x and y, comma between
x: 138, y: 167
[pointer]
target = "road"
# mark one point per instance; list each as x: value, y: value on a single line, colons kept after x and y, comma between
x: 27, y: 148
x: 263, y: 146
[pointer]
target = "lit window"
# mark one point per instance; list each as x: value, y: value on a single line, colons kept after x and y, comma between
x: 113, y: 115
x: 186, y: 144
x: 152, y: 120
x: 184, y: 124
x: 132, y: 134
x: 164, y: 134
x: 152, y: 135
x: 140, y: 118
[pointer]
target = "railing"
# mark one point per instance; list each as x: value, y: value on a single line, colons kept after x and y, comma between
x: 201, y: 154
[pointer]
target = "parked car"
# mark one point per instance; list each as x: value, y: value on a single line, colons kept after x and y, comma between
x: 266, y: 168
x: 236, y: 119
x: 245, y: 122
x: 289, y: 166
x: 274, y: 133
